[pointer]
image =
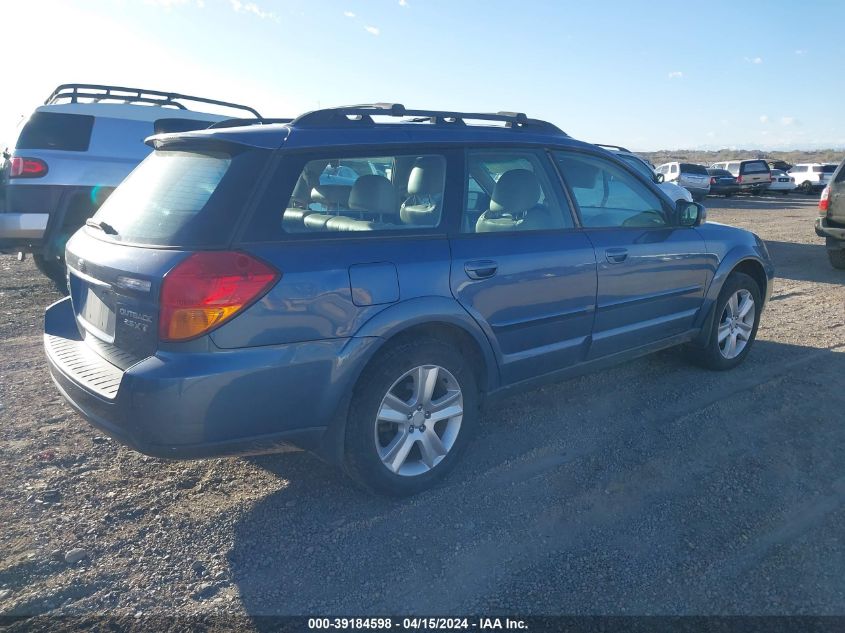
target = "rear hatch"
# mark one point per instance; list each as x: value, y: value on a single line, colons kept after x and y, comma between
x: 694, y: 176
x: 755, y: 172
x: 176, y: 203
x: 827, y: 173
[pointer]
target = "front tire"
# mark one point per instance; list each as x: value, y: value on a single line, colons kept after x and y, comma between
x: 734, y: 327
x: 412, y: 414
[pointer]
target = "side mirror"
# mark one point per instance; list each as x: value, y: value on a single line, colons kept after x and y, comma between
x: 658, y: 178
x: 690, y: 213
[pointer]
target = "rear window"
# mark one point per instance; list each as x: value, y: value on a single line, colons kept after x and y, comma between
x: 829, y: 169
x: 689, y: 168
x: 722, y: 173
x: 168, y: 126
x: 54, y: 130
x: 755, y: 167
x: 181, y: 198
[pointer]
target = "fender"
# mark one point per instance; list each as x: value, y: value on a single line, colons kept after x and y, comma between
x: 733, y: 258
x: 426, y: 311
x: 372, y: 336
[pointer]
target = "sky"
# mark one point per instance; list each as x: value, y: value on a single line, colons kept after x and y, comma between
x: 648, y: 75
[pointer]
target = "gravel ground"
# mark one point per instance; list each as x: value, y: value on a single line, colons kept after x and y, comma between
x: 651, y: 488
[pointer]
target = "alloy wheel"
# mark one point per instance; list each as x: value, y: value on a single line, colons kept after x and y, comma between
x: 736, y: 324
x: 418, y: 420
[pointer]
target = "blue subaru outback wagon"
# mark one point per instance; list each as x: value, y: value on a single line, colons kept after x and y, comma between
x: 358, y: 281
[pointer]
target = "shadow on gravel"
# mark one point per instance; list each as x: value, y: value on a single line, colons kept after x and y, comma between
x: 804, y: 262
x: 671, y: 497
x: 766, y: 202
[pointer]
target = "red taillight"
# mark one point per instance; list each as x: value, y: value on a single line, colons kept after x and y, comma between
x: 712, y: 180
x: 824, y: 201
x: 739, y: 180
x: 209, y: 288
x: 27, y: 168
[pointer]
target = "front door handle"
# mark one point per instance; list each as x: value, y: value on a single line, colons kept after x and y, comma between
x: 616, y: 255
x: 481, y: 269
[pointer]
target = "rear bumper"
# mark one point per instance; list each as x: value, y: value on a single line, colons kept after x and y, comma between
x: 40, y: 218
x: 19, y: 230
x: 823, y: 229
x: 724, y: 190
x: 192, y: 405
x: 697, y: 192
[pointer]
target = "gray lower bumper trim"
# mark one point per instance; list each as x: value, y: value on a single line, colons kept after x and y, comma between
x: 23, y: 225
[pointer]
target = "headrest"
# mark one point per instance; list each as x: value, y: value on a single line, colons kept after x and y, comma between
x: 427, y: 176
x: 516, y: 191
x: 331, y: 195
x: 301, y: 192
x: 579, y: 174
x: 374, y: 194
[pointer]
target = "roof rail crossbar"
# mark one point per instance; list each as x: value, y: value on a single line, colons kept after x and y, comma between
x: 244, y: 122
x: 97, y: 92
x: 363, y: 115
x: 616, y: 147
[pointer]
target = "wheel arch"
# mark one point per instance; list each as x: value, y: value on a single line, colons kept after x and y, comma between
x: 437, y: 317
x: 744, y: 260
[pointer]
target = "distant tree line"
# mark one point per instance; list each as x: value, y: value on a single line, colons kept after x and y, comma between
x: 707, y: 157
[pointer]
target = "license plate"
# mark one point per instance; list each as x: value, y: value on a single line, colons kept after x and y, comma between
x: 97, y: 313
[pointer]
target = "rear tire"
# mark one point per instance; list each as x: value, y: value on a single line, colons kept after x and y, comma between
x: 734, y: 326
x: 837, y: 258
x: 382, y: 453
x: 54, y: 270
x: 806, y: 187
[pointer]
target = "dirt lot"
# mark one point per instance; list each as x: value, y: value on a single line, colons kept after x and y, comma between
x: 652, y: 488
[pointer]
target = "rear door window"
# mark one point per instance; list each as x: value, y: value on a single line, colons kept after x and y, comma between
x: 56, y: 131
x: 518, y: 193
x: 180, y: 198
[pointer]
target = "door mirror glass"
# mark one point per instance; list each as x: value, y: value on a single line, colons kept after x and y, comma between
x: 690, y: 213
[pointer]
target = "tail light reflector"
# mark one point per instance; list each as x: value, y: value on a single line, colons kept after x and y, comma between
x: 824, y: 201
x: 739, y: 180
x: 27, y: 167
x: 209, y: 288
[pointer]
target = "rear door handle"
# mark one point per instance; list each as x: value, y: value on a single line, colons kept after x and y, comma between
x: 616, y: 255
x: 481, y: 269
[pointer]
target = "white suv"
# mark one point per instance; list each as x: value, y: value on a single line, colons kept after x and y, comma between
x: 812, y: 176
x: 74, y: 150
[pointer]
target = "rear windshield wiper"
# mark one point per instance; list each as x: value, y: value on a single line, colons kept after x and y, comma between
x: 105, y: 227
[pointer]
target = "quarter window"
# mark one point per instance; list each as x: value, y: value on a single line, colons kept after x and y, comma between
x: 511, y: 190
x: 367, y: 193
x: 609, y: 196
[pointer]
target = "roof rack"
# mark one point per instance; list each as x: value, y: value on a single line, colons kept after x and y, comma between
x: 243, y: 122
x: 616, y: 147
x: 363, y: 115
x: 74, y: 92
